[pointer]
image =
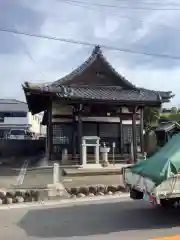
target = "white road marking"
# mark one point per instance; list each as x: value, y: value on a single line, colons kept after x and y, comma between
x: 68, y: 202
x: 22, y: 173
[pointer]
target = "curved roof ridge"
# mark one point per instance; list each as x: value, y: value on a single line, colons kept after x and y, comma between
x: 97, y: 52
x: 114, y: 71
x: 79, y: 69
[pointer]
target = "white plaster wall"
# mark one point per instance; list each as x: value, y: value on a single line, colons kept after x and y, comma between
x: 35, y: 122
x: 14, y: 121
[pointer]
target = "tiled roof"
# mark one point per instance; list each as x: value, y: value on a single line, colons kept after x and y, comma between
x: 73, y: 87
x: 164, y: 95
x: 13, y: 105
x: 112, y: 93
x: 104, y: 93
x: 167, y: 126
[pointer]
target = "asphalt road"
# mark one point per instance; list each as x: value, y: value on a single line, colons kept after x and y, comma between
x: 115, y: 219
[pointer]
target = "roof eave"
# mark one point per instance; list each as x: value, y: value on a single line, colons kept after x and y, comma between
x: 35, y: 95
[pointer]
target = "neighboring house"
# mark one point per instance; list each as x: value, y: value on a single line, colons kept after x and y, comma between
x: 14, y: 114
x: 165, y: 131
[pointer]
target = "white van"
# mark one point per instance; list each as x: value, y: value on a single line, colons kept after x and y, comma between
x: 19, y: 134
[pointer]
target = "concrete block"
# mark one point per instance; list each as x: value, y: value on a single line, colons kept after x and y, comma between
x: 57, y: 190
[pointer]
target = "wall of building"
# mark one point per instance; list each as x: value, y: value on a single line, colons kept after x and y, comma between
x: 14, y: 121
x: 107, y: 128
x: 14, y: 115
x: 34, y: 122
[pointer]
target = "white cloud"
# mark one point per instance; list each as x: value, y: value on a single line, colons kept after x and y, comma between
x: 52, y: 59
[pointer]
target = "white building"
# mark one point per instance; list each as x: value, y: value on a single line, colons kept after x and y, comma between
x: 14, y: 114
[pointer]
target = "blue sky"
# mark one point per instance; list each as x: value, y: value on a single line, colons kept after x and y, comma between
x: 37, y: 60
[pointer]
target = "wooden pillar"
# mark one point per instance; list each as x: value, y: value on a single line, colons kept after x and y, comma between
x: 142, y: 129
x: 47, y: 142
x: 134, y: 138
x: 98, y: 130
x: 74, y: 134
x: 80, y: 131
x: 49, y: 133
x: 121, y: 133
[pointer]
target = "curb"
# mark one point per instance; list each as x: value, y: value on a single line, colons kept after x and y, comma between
x: 64, y: 202
x: 82, y: 173
x: 96, y: 190
x: 12, y: 197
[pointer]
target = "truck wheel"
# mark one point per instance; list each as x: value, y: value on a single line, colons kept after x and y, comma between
x: 167, y: 203
x: 134, y: 194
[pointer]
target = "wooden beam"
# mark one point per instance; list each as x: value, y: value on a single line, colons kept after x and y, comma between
x: 121, y: 133
x: 49, y: 132
x: 80, y: 108
x: 142, y: 129
x: 74, y: 134
x: 134, y: 136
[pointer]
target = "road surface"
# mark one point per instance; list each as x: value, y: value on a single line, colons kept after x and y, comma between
x: 115, y: 219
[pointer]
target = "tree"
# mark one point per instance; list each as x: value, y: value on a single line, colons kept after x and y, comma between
x: 151, y: 117
x: 174, y: 110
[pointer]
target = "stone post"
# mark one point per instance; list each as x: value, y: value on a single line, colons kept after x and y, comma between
x: 65, y: 156
x: 55, y: 173
x: 84, y: 152
x: 97, y: 152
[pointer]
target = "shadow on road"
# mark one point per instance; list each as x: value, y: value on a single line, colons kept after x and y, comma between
x: 96, y: 219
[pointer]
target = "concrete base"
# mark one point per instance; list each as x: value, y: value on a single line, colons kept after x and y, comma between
x: 105, y: 164
x: 91, y: 166
x: 110, y: 170
x: 56, y: 191
x: 43, y: 162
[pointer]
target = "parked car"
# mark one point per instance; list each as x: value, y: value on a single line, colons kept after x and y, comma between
x: 19, y: 134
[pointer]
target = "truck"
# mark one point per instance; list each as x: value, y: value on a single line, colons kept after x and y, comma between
x: 156, y: 179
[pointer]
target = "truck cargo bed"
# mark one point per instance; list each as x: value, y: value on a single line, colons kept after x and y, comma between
x: 169, y: 188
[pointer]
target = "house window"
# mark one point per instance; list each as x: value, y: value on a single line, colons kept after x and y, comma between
x: 13, y: 114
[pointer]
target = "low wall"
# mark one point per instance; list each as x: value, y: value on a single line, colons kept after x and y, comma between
x: 19, y: 148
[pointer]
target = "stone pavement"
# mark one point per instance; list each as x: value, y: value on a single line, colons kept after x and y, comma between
x: 103, y: 220
x: 94, y: 170
x: 92, y: 180
x: 42, y: 177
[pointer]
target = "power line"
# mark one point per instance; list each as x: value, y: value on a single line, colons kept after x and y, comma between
x: 26, y: 51
x: 65, y: 40
x: 156, y: 3
x: 120, y: 7
x: 120, y: 16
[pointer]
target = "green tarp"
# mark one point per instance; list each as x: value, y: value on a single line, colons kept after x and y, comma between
x: 163, y: 164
